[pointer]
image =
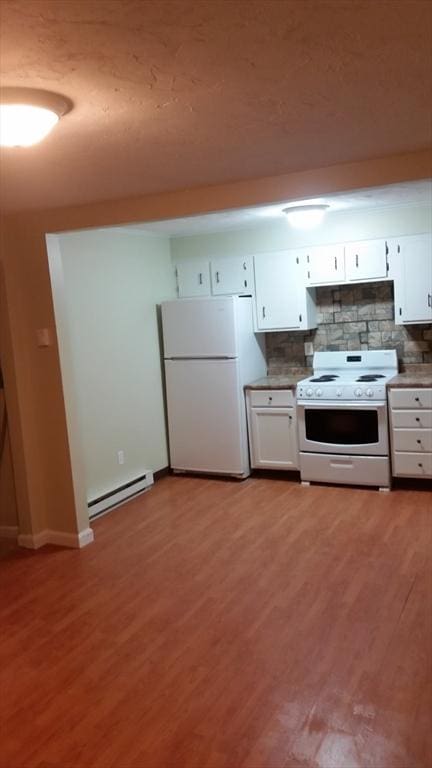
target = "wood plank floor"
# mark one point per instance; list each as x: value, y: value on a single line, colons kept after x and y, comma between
x: 216, y: 624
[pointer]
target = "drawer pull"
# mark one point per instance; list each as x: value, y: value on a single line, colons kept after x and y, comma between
x: 419, y: 442
x: 420, y: 464
x: 270, y: 398
x: 417, y: 418
x: 417, y: 399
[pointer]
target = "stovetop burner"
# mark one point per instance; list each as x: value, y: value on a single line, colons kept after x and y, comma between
x: 326, y: 377
x: 371, y: 377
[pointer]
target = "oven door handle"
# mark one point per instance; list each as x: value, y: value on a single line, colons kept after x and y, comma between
x: 342, y: 404
x: 341, y: 464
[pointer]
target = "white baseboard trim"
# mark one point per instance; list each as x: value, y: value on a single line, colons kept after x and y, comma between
x: 59, y: 538
x: 8, y: 531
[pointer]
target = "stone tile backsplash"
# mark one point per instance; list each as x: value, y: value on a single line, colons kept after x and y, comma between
x: 352, y: 317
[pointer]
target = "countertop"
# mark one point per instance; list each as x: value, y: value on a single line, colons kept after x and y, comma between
x: 277, y: 382
x: 411, y: 379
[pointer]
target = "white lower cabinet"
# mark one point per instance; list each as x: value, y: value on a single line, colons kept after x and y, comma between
x: 411, y: 432
x: 272, y: 429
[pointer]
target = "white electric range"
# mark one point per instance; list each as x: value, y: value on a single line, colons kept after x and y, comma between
x: 342, y: 418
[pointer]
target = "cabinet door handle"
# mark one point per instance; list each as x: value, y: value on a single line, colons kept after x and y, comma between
x: 217, y: 277
x: 244, y: 265
x: 429, y: 299
x: 263, y: 311
x: 290, y: 417
x: 336, y: 263
x: 356, y: 259
x: 200, y: 278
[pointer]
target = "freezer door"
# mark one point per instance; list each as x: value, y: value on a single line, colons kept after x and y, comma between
x: 206, y: 416
x: 199, y: 328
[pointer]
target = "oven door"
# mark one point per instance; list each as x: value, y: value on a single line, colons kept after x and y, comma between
x: 345, y: 428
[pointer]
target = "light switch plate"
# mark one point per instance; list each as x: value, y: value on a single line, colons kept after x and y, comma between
x: 43, y: 337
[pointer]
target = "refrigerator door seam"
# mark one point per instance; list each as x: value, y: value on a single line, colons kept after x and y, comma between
x: 201, y: 358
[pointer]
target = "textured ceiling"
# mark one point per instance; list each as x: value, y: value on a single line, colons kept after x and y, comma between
x: 178, y: 93
x: 416, y: 193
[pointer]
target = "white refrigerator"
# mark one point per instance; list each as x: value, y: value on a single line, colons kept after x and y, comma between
x: 210, y: 352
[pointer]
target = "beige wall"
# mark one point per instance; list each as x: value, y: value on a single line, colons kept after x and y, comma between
x: 277, y: 235
x: 8, y: 509
x: 39, y: 439
x: 112, y: 283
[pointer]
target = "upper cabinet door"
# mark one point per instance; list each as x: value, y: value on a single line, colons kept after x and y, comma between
x: 277, y: 277
x: 366, y: 260
x: 413, y: 284
x: 325, y: 264
x: 231, y: 275
x: 193, y: 278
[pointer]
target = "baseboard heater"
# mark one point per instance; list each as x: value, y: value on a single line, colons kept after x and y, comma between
x: 119, y: 495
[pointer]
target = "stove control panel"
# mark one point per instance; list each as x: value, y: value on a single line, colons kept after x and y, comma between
x: 353, y: 391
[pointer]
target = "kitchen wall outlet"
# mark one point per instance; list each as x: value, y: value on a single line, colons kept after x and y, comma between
x: 121, y: 457
x: 308, y: 348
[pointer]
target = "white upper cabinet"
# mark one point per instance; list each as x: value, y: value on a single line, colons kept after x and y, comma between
x: 282, y: 301
x: 325, y: 264
x: 193, y: 278
x: 232, y: 275
x: 413, y: 280
x: 366, y: 260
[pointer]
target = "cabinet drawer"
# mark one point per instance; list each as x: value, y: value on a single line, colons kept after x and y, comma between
x: 272, y: 397
x: 412, y: 464
x: 411, y: 398
x: 419, y: 440
x: 415, y: 420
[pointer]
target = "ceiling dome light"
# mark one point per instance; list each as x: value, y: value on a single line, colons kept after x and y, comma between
x: 305, y: 216
x: 27, y: 115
